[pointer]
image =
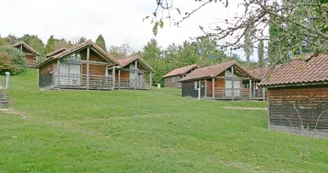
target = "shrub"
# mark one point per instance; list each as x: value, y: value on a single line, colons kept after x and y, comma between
x: 11, y: 60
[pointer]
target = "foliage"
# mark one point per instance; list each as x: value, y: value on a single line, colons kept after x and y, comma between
x: 122, y: 51
x: 11, y: 60
x: 143, y: 131
x: 248, y: 44
x: 34, y: 41
x: 3, y: 42
x: 261, y: 53
x: 101, y: 42
x: 50, y: 46
x: 62, y: 43
x: 299, y: 26
x: 77, y: 40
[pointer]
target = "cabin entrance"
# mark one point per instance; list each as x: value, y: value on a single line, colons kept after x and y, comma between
x: 70, y: 74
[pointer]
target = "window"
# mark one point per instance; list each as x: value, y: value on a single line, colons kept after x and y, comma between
x: 195, y: 85
x: 74, y: 56
x: 246, y: 85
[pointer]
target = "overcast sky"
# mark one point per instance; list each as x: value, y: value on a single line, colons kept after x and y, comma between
x: 119, y: 21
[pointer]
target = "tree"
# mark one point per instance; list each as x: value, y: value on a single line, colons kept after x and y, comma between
x: 101, y: 42
x: 248, y: 44
x: 122, y: 51
x: 50, y: 46
x: 77, y: 40
x: 11, y: 60
x: 3, y: 42
x: 62, y: 43
x: 261, y: 53
x: 297, y: 21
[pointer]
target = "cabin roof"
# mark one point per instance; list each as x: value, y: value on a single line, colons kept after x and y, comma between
x: 301, y: 69
x: 56, y: 51
x: 79, y: 47
x: 214, y: 70
x: 26, y: 46
x: 126, y: 61
x: 180, y: 71
x: 260, y: 73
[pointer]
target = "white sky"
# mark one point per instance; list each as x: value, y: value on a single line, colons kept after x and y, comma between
x: 119, y: 21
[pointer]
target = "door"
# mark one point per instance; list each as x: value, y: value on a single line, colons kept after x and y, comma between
x: 232, y: 88
x: 70, y: 74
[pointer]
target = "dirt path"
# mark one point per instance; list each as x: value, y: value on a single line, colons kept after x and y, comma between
x: 243, y: 108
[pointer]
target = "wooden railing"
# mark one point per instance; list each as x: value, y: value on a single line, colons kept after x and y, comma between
x: 102, y: 82
x: 132, y: 83
x: 30, y: 63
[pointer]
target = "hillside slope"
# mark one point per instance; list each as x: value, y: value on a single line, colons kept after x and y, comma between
x: 143, y: 131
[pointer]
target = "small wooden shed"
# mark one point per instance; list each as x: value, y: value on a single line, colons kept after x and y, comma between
x: 298, y: 95
x: 31, y: 55
x: 172, y: 78
x: 225, y: 81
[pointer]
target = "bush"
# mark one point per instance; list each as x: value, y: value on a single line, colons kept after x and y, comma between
x: 11, y: 60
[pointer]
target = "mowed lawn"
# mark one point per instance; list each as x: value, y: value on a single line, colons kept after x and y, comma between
x: 143, y: 131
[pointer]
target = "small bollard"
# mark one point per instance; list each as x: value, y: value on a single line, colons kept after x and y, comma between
x: 7, y: 80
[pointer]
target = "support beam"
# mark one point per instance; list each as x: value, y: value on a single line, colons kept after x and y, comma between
x: 136, y: 74
x: 88, y: 66
x: 199, y: 90
x: 119, y: 79
x: 250, y: 89
x: 254, y: 85
x: 232, y: 87
x: 213, y: 88
x: 263, y: 90
x: 150, y: 81
x: 21, y: 47
x: 205, y: 89
x: 113, y: 78
x: 58, y: 73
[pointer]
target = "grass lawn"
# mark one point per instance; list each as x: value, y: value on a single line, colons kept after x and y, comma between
x: 143, y: 131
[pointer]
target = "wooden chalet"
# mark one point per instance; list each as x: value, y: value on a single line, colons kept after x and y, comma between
x: 84, y: 66
x: 172, y: 78
x: 133, y: 73
x: 298, y: 95
x: 226, y: 81
x: 31, y: 55
x: 259, y: 92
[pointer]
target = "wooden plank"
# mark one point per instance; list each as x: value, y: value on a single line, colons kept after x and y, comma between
x: 205, y: 95
x: 58, y: 72
x: 250, y: 89
x: 136, y: 74
x: 213, y: 88
x: 113, y: 78
x: 88, y: 66
x: 150, y: 80
x: 232, y: 92
x: 119, y: 79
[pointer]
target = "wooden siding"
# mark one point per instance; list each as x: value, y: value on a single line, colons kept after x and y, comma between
x: 46, y: 76
x: 309, y: 101
x: 93, y: 56
x: 218, y: 87
x: 168, y: 82
x: 94, y: 69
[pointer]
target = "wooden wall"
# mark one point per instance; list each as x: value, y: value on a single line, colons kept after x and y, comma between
x: 219, y: 87
x: 93, y: 56
x: 310, y: 101
x: 124, y: 74
x: 46, y: 76
x: 94, y: 69
x: 168, y: 82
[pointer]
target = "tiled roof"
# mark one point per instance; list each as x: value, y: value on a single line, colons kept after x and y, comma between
x: 214, y: 70
x: 56, y: 52
x: 26, y: 46
x: 76, y: 48
x: 260, y: 73
x: 181, y: 70
x: 126, y: 61
x: 303, y: 69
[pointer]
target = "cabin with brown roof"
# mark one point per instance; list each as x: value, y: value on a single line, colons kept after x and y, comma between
x: 84, y: 66
x: 31, y: 55
x: 133, y: 73
x: 298, y: 95
x: 172, y: 78
x: 259, y: 92
x: 227, y: 81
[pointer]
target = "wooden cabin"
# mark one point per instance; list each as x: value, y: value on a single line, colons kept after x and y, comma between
x: 84, y: 66
x: 31, y: 55
x: 133, y: 73
x: 172, y: 78
x: 298, y: 95
x: 225, y: 81
x: 259, y: 92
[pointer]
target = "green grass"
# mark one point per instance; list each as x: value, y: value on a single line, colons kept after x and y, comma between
x: 143, y: 131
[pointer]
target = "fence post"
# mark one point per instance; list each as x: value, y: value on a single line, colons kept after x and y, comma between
x: 7, y: 80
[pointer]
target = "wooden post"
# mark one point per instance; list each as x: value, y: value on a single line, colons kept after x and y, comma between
x: 199, y: 90
x: 136, y: 74
x: 269, y: 118
x: 150, y: 80
x: 21, y: 47
x: 113, y: 77
x: 232, y: 87
x: 213, y: 88
x: 119, y: 79
x: 58, y: 73
x: 205, y: 89
x: 263, y: 90
x: 250, y: 89
x: 88, y: 66
x: 253, y: 86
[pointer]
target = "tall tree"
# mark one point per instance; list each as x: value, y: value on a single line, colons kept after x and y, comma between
x: 50, y: 46
x: 101, y: 42
x: 122, y: 51
x: 248, y: 43
x: 261, y: 53
x: 77, y: 40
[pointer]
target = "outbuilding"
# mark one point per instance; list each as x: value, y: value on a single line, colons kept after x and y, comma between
x: 298, y: 95
x: 172, y: 78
